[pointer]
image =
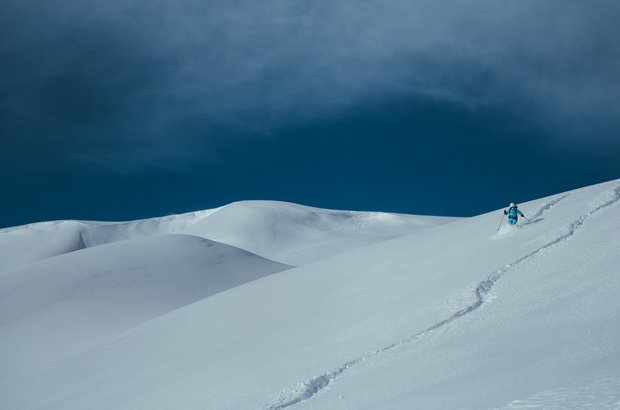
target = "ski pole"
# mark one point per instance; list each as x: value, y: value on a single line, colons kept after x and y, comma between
x: 500, y: 222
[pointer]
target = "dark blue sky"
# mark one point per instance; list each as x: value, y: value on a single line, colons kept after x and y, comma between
x: 137, y: 109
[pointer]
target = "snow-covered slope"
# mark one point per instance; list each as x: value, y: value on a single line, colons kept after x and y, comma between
x: 61, y: 306
x: 459, y: 316
x: 289, y: 233
x: 297, y: 235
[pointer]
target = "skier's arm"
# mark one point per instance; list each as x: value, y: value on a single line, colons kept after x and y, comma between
x: 521, y: 213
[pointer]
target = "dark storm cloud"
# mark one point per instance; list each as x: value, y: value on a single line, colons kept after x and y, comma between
x: 98, y: 79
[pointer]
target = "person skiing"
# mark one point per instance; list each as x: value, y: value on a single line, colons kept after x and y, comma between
x: 513, y: 214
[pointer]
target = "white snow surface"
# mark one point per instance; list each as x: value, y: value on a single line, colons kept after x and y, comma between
x: 289, y: 233
x: 52, y: 309
x: 456, y: 316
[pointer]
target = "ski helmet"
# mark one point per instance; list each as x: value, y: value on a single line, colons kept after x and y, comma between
x: 513, y: 205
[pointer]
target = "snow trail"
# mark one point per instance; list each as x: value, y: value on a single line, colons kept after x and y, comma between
x: 309, y: 388
x: 537, y: 216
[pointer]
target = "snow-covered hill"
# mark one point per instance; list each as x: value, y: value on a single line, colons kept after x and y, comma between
x: 66, y: 304
x: 289, y: 233
x: 457, y: 316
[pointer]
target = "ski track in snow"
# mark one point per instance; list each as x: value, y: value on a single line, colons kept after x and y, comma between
x: 537, y: 216
x: 312, y: 386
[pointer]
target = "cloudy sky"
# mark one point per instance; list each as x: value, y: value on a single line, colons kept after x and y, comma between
x: 133, y: 108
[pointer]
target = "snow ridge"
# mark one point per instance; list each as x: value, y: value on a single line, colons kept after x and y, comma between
x: 312, y: 386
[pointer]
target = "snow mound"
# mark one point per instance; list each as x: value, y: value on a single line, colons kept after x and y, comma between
x: 289, y: 233
x: 29, y: 243
x: 82, y: 298
x: 296, y: 234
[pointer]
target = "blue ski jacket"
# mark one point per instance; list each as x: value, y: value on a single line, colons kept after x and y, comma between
x: 513, y: 213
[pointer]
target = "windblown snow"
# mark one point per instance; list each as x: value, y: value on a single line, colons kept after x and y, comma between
x: 269, y: 305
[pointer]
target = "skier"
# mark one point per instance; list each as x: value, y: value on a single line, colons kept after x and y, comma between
x: 513, y: 213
